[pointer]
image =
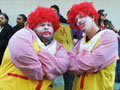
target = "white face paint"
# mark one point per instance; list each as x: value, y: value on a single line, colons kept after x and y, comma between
x: 84, y: 23
x: 44, y: 30
x: 89, y: 22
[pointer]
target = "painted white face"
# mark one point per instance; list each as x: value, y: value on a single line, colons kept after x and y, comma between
x: 44, y: 30
x: 83, y: 23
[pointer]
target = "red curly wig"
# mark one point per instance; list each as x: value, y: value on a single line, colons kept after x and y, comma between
x: 42, y: 14
x: 86, y: 8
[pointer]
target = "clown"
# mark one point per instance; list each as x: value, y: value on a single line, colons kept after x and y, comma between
x: 93, y: 58
x: 33, y: 59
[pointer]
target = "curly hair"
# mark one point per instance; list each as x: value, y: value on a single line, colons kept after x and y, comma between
x: 42, y: 14
x: 85, y: 8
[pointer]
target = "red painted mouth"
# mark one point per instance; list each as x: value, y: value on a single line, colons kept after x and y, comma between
x: 81, y: 26
x: 46, y: 33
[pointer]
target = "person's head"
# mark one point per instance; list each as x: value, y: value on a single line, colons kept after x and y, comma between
x: 44, y: 22
x: 3, y: 19
x: 55, y: 8
x: 102, y: 14
x: 21, y: 19
x: 82, y: 16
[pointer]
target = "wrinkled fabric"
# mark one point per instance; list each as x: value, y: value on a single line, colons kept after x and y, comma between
x: 96, y: 64
x: 55, y: 67
x: 103, y: 54
x: 33, y: 65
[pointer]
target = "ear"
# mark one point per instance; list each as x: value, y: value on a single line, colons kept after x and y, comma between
x: 92, y: 17
x: 6, y: 20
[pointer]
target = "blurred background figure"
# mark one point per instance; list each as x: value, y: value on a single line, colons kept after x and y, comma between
x: 117, y: 73
x: 77, y: 35
x: 21, y: 21
x: 0, y: 11
x: 57, y: 10
x: 5, y: 33
x: 103, y: 22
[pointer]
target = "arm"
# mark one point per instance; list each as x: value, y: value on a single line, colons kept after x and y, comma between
x: 54, y: 65
x: 24, y: 57
x: 103, y: 55
x: 112, y: 27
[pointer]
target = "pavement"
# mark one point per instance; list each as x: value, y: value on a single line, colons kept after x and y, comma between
x: 117, y: 86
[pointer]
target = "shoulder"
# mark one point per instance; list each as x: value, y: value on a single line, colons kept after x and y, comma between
x: 108, y: 32
x: 15, y: 27
x: 108, y: 35
x: 24, y: 33
x: 8, y: 27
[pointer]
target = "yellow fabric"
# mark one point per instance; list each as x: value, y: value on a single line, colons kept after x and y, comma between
x: 118, y: 57
x: 16, y: 83
x: 101, y: 80
x: 63, y: 36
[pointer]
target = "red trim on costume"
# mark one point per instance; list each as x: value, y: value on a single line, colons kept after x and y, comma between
x: 19, y: 76
x: 82, y: 81
x: 95, y: 72
x: 51, y: 86
x: 103, y: 27
x: 39, y: 85
x: 58, y: 48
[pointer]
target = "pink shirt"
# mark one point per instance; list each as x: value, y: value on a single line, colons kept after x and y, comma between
x: 104, y: 54
x: 36, y: 66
